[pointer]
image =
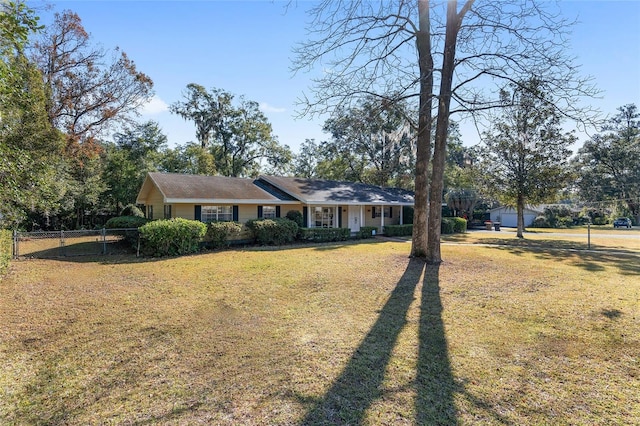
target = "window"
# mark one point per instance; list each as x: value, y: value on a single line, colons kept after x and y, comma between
x: 167, y: 211
x: 150, y: 212
x: 377, y: 211
x: 216, y: 214
x: 268, y: 212
x: 323, y: 217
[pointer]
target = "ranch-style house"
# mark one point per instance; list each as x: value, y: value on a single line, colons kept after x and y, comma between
x: 323, y: 203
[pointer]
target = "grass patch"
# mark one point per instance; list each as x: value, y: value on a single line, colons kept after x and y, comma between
x: 576, y: 239
x: 331, y: 334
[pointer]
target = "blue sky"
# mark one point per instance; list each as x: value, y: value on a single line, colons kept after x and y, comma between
x: 244, y: 47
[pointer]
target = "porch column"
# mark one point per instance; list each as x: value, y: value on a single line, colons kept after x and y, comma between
x: 382, y: 219
x: 311, y: 212
x: 401, y: 216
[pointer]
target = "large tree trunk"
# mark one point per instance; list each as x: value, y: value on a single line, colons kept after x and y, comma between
x: 423, y: 148
x: 454, y: 21
x: 520, y: 216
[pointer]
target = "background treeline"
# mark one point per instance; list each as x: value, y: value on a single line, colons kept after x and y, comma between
x: 73, y: 151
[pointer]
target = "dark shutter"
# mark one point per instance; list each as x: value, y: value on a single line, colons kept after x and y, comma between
x: 235, y: 213
x: 390, y: 212
x: 373, y: 212
x: 277, y: 211
x: 259, y: 212
x: 339, y: 216
x: 305, y: 216
x: 197, y: 214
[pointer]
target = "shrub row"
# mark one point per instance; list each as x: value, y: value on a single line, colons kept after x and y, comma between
x: 323, y: 235
x: 172, y: 237
x: 220, y: 234
x: 398, y: 230
x: 449, y: 225
x: 6, y: 241
x: 273, y: 231
x: 367, y: 232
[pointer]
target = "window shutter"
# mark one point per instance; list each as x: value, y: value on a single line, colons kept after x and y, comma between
x: 339, y: 216
x: 373, y: 212
x: 197, y: 214
x: 305, y: 216
x: 235, y: 213
x: 390, y: 212
x: 259, y: 212
x: 277, y: 211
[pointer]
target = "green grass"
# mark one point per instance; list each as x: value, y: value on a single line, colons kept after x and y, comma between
x: 328, y: 334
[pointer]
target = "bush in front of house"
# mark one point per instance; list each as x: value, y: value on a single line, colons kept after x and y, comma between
x: 446, y: 225
x: 323, y: 235
x: 297, y: 217
x: 219, y: 234
x: 276, y: 231
x: 172, y: 237
x: 459, y: 224
x: 398, y: 230
x: 367, y: 232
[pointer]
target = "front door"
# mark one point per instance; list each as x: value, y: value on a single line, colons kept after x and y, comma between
x: 354, y: 218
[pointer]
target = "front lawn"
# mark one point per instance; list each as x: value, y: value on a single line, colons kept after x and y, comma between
x: 329, y: 334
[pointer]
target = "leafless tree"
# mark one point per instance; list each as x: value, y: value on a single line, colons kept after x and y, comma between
x: 389, y: 49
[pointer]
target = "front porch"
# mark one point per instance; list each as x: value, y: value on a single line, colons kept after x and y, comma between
x: 353, y: 216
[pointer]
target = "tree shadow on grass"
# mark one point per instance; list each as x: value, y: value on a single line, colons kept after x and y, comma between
x: 435, y: 386
x: 360, y: 383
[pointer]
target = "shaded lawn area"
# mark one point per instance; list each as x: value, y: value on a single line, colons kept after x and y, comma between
x: 332, y: 334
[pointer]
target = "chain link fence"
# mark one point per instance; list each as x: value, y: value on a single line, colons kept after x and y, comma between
x: 52, y: 244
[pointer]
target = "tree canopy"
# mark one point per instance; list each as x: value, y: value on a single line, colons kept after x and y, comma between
x: 608, y: 165
x: 526, y: 152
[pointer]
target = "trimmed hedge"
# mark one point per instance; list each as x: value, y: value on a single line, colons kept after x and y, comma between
x: 126, y: 222
x: 277, y: 231
x: 323, y: 235
x: 367, y: 232
x: 446, y: 226
x: 220, y: 234
x: 172, y: 237
x: 398, y: 230
x: 6, y: 248
x: 459, y: 224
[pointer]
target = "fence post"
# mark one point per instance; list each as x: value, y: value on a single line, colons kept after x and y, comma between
x: 62, y: 243
x: 104, y: 241
x: 15, y: 244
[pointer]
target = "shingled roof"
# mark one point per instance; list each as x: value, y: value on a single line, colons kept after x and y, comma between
x: 183, y: 188
x: 318, y: 191
x: 198, y: 189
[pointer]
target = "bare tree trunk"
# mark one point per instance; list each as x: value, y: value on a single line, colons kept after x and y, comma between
x: 520, y: 216
x: 423, y: 149
x: 454, y: 20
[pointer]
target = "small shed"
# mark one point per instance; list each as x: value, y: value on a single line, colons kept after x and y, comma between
x: 508, y: 216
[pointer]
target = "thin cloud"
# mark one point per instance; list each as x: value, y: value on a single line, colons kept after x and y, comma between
x: 265, y: 107
x: 155, y: 106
